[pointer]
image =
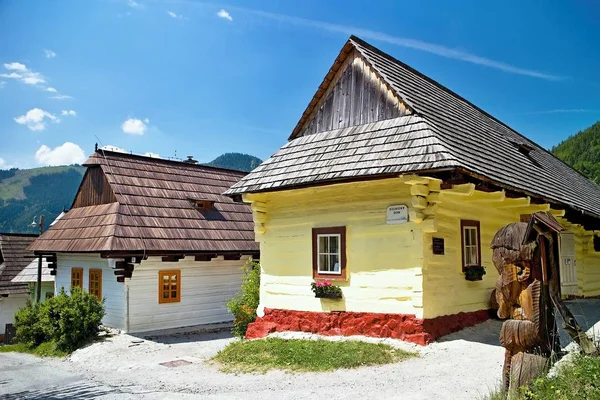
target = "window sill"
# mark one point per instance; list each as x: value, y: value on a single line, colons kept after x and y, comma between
x: 331, y: 278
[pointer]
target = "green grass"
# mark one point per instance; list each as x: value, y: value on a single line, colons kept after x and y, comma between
x: 577, y: 381
x: 259, y: 356
x: 47, y: 349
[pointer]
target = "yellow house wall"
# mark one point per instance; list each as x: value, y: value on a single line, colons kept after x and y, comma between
x: 383, y: 261
x: 445, y: 289
x: 588, y: 260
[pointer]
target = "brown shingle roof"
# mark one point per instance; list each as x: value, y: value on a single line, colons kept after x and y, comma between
x: 154, y: 211
x: 13, y: 258
x: 478, y: 143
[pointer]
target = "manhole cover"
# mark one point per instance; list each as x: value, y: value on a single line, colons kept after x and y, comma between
x: 175, y: 363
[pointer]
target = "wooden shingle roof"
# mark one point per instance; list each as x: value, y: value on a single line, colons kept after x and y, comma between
x: 473, y: 142
x: 14, y: 257
x: 154, y: 211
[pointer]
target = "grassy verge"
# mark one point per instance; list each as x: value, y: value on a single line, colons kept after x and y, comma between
x: 577, y: 381
x: 304, y: 355
x: 47, y: 349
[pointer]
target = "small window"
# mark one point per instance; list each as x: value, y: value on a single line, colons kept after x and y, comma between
x: 169, y: 286
x: 95, y: 283
x: 77, y: 277
x: 596, y: 243
x: 471, y: 243
x: 329, y: 253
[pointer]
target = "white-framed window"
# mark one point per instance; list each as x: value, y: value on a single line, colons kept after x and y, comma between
x: 329, y: 251
x: 471, y: 246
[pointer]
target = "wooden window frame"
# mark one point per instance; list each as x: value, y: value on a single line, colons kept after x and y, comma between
x: 467, y: 223
x: 80, y: 270
x: 99, y: 272
x: 170, y: 299
x: 336, y: 230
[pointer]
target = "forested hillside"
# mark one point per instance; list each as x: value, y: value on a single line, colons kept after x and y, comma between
x: 239, y: 161
x: 25, y: 193
x: 582, y: 152
x: 30, y: 192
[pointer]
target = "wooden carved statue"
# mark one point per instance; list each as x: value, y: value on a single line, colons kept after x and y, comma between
x: 526, y: 294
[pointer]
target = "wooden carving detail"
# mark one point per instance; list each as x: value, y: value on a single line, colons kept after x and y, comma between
x: 526, y: 294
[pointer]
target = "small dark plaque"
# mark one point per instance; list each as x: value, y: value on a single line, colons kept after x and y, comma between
x: 438, y: 246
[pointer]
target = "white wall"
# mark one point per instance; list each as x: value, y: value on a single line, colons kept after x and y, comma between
x: 112, y: 291
x: 8, y: 306
x: 205, y: 289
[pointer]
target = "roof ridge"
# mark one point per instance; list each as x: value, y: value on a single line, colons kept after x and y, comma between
x: 160, y: 160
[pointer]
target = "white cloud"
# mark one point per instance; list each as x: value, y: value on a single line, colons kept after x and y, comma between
x: 110, y: 147
x: 15, y: 66
x: 67, y: 153
x: 225, y: 15
x: 22, y: 73
x: 3, y: 163
x: 2, y: 83
x: 176, y: 16
x: 35, y: 119
x: 68, y: 113
x: 49, y: 53
x: 134, y: 126
x: 172, y: 14
x: 133, y: 4
x: 153, y: 155
x: 61, y: 97
x: 51, y: 89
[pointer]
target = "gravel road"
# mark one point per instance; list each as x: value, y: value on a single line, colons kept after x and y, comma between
x: 465, y: 365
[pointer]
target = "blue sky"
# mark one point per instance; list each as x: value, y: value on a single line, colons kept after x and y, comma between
x: 183, y: 77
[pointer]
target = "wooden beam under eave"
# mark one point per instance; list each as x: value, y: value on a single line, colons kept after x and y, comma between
x: 465, y: 189
x: 558, y: 213
x: 252, y: 197
x: 415, y: 180
x: 486, y: 197
x: 518, y: 202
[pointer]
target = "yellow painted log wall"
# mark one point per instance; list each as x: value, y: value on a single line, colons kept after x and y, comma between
x: 445, y: 289
x: 588, y: 260
x: 383, y: 261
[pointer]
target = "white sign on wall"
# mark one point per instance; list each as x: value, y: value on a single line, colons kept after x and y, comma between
x: 397, y: 214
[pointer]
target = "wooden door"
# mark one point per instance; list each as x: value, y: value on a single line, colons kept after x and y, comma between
x: 568, y: 264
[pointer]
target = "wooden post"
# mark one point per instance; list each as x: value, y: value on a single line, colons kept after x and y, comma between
x: 38, y: 294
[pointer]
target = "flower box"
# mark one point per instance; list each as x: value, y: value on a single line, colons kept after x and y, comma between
x: 325, y: 290
x: 474, y: 273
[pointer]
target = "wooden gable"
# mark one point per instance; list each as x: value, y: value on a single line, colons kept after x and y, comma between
x: 94, y: 189
x: 351, y: 94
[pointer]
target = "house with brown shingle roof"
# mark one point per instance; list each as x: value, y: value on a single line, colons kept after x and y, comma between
x: 391, y: 187
x: 155, y: 238
x: 14, y: 257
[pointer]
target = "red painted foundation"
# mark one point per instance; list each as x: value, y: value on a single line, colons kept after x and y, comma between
x: 398, y: 326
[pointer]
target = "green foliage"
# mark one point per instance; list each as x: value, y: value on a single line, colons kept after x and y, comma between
x: 238, y: 161
x: 46, y: 349
x: 579, y: 380
x: 243, y: 306
x: 67, y: 321
x: 582, y: 152
x: 32, y: 192
x: 305, y: 355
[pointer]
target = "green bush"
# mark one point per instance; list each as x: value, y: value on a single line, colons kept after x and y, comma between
x: 243, y: 306
x: 69, y: 321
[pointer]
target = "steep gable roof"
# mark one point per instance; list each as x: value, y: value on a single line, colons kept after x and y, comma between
x: 478, y: 143
x: 154, y: 211
x: 13, y: 259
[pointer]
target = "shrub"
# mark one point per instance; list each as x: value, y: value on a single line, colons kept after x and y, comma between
x: 28, y: 329
x: 69, y: 321
x: 243, y: 306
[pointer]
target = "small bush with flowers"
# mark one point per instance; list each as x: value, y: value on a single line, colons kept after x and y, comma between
x: 324, y: 289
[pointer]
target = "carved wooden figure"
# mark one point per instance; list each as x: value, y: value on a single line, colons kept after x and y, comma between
x: 527, y: 291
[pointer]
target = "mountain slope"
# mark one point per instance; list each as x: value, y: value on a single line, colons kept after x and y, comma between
x: 582, y: 152
x: 238, y: 161
x: 27, y: 193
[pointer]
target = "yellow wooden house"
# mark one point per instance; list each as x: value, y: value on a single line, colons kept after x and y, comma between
x: 391, y: 186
